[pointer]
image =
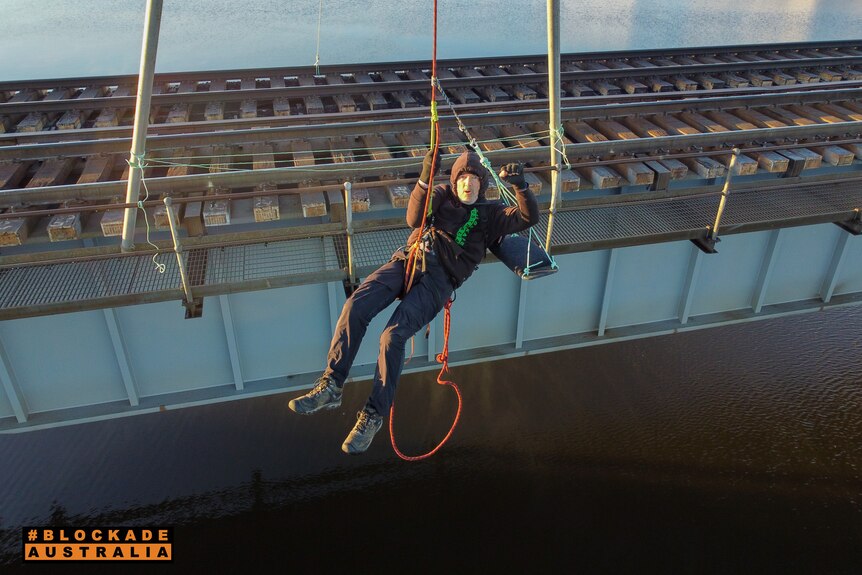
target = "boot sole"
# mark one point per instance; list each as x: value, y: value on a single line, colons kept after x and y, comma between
x: 348, y: 450
x: 292, y: 406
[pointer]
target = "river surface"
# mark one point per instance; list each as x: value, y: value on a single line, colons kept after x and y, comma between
x: 730, y: 450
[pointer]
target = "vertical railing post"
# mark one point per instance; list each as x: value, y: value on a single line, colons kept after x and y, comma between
x: 725, y: 191
x: 178, y: 249
x: 152, y: 22
x: 348, y: 211
x: 554, y: 104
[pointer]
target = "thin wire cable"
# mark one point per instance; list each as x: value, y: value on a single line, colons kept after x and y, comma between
x: 560, y: 145
x: 317, y: 56
x: 159, y: 266
x: 142, y: 165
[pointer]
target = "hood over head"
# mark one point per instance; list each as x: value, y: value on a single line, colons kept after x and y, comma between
x: 469, y: 162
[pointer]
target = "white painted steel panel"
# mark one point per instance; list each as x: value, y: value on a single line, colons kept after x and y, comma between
x: 67, y: 360
x: 63, y: 361
x: 803, y: 261
x: 850, y: 276
x: 648, y: 283
x: 485, y: 312
x: 5, y: 406
x: 569, y: 301
x: 168, y: 353
x: 727, y: 279
x: 281, y: 331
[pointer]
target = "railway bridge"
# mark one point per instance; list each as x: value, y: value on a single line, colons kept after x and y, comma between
x: 285, y: 186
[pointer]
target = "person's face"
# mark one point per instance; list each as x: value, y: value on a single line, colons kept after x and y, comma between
x: 467, y: 187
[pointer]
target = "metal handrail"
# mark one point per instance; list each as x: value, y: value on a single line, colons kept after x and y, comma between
x: 357, y: 128
x: 618, y: 148
x: 178, y: 250
x: 348, y: 211
x: 725, y: 191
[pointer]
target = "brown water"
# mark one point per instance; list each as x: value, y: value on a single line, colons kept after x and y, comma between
x: 730, y: 450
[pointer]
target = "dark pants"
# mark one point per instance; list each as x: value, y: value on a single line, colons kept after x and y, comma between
x: 430, y: 291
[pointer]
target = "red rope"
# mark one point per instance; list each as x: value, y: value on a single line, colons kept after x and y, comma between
x: 410, y: 267
x: 444, y: 359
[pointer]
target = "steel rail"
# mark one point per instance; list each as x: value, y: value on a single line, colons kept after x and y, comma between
x: 370, y: 168
x: 90, y: 134
x: 18, y: 213
x: 416, y: 123
x: 238, y: 73
x: 226, y: 96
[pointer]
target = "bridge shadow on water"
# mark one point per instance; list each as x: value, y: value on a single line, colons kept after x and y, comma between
x: 731, y: 450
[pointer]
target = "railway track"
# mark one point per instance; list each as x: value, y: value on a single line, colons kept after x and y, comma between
x: 298, y: 94
x: 69, y: 188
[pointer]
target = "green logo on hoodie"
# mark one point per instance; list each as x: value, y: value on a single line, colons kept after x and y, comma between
x: 461, y: 236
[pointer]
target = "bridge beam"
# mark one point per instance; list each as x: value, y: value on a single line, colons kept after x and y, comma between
x: 606, y: 297
x: 432, y: 338
x: 230, y: 337
x: 12, y: 389
x: 122, y: 356
x: 691, y: 279
x: 766, y: 268
x: 522, y: 313
x: 334, y: 309
x: 834, y: 272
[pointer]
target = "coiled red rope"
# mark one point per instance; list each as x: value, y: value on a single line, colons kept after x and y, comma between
x: 444, y: 359
x: 410, y: 269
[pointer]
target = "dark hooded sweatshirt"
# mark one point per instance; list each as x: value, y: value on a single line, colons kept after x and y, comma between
x: 459, y: 234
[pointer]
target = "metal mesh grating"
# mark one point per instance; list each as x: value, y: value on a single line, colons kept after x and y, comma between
x: 752, y: 207
x: 32, y: 286
x: 375, y: 248
x: 626, y: 221
x: 23, y: 288
x: 258, y: 261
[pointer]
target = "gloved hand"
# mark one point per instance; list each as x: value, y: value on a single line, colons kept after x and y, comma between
x: 426, y: 165
x: 514, y: 174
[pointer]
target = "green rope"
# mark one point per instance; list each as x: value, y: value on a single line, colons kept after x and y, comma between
x: 137, y: 162
x: 507, y: 196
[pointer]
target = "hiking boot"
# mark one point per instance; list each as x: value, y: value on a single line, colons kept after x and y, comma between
x: 359, y: 439
x: 324, y: 395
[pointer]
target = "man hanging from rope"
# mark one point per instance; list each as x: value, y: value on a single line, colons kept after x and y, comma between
x: 461, y: 225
